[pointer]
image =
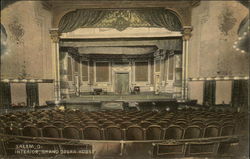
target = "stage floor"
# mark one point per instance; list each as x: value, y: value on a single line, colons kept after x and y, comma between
x: 125, y: 98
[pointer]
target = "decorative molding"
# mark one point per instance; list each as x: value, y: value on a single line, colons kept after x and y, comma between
x: 187, y: 32
x: 160, y: 54
x: 27, y: 80
x: 226, y: 21
x: 17, y: 30
x: 117, y: 3
x: 55, y: 35
x: 226, y: 78
x: 121, y: 19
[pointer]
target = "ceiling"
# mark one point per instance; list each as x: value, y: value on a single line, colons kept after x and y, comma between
x: 119, y: 3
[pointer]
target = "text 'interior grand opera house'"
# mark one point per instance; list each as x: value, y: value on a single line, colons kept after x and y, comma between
x: 124, y: 79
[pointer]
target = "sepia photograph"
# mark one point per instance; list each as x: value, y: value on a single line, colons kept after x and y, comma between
x: 124, y: 79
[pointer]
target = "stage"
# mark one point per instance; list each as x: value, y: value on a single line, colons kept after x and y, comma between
x: 97, y: 102
x: 124, y: 98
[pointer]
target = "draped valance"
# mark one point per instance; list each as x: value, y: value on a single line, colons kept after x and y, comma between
x: 119, y: 19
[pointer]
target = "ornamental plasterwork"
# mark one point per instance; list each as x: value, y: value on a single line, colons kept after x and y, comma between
x: 16, y: 30
x: 122, y: 19
x: 54, y: 35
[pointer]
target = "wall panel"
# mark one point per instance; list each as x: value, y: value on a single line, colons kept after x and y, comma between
x: 196, y: 91
x: 18, y: 93
x: 46, y: 92
x: 102, y: 71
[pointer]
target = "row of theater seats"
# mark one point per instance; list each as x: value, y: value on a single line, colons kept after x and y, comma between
x: 119, y: 125
x: 133, y: 132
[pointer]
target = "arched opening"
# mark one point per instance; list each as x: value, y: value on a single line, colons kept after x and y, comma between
x: 117, y: 51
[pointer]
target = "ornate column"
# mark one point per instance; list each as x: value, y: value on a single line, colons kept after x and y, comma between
x: 186, y: 35
x: 54, y: 34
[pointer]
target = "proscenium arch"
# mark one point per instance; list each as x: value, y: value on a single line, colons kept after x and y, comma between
x: 173, y: 13
x: 58, y: 14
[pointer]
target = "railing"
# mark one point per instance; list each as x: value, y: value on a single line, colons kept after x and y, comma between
x: 43, y: 147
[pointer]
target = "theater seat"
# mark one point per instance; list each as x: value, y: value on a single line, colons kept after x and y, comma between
x: 192, y: 132
x: 12, y: 130
x: 134, y: 133
x: 211, y: 131
x: 51, y: 131
x: 92, y: 133
x: 154, y: 132
x: 41, y: 124
x: 71, y: 132
x: 227, y: 130
x: 58, y: 124
x: 108, y: 123
x: 125, y: 124
x: 145, y: 124
x: 113, y: 133
x: 31, y: 131
x: 174, y: 132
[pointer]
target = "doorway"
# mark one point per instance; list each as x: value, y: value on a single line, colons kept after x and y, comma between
x: 32, y: 94
x: 122, y: 83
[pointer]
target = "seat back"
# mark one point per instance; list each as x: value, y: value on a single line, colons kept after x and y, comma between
x: 107, y: 123
x: 227, y: 130
x: 51, y: 131
x: 164, y: 124
x: 31, y: 131
x: 174, y: 132
x: 192, y: 132
x: 58, y: 124
x: 92, y: 133
x: 154, y: 132
x: 211, y: 131
x: 41, y: 124
x: 134, y: 133
x: 12, y: 130
x: 125, y: 124
x: 113, y: 133
x: 71, y: 132
x: 145, y: 124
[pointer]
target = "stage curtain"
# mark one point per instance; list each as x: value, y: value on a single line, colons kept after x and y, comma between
x: 240, y: 93
x: 80, y: 18
x: 5, y: 95
x: 209, y: 93
x: 161, y: 18
x: 32, y: 94
x: 158, y: 17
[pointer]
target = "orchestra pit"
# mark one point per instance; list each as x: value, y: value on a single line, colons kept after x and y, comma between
x: 124, y: 79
